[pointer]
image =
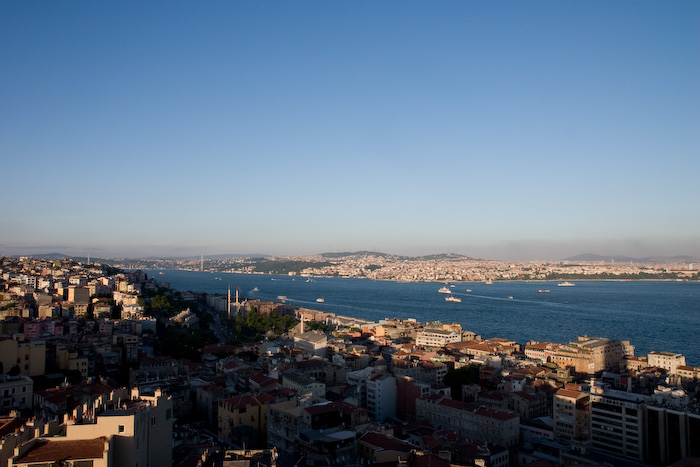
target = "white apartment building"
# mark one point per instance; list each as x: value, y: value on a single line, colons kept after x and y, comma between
x: 437, y: 337
x: 381, y: 397
x: 617, y: 422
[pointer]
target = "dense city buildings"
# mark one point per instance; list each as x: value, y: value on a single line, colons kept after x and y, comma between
x: 103, y: 367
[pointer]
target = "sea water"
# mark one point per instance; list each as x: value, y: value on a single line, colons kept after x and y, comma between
x: 652, y: 315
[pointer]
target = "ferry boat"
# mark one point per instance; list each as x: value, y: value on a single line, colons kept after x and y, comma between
x: 320, y: 300
x: 469, y: 290
x: 282, y: 297
x: 444, y: 290
x: 453, y: 299
x: 566, y: 284
x: 543, y: 291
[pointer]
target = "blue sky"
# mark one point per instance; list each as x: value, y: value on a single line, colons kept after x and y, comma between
x: 499, y: 129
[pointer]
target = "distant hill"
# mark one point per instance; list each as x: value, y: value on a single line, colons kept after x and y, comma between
x: 628, y: 259
x: 49, y: 256
x: 343, y: 254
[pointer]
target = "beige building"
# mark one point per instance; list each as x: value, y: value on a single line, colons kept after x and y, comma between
x: 667, y: 360
x: 572, y: 416
x: 141, y: 428
x: 28, y: 355
x: 243, y: 419
x: 592, y: 354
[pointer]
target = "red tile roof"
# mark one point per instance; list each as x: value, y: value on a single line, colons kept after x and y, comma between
x: 49, y: 450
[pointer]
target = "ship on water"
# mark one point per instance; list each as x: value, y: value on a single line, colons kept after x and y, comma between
x: 453, y: 299
x: 566, y: 284
x: 444, y: 290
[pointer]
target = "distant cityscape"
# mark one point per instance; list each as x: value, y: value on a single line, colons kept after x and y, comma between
x: 442, y: 267
x: 101, y: 365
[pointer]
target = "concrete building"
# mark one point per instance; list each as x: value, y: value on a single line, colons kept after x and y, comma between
x: 381, y: 397
x: 670, y: 435
x: 617, y: 422
x: 437, y: 337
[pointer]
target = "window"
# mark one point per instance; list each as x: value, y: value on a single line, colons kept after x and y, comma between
x: 121, y: 428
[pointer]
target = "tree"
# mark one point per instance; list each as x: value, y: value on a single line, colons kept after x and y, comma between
x: 160, y: 302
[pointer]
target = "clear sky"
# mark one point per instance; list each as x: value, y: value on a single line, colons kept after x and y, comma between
x: 513, y: 130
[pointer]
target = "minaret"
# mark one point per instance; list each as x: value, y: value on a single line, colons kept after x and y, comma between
x: 201, y: 263
x: 228, y: 302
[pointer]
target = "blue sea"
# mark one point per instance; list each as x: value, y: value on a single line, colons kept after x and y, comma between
x: 653, y: 315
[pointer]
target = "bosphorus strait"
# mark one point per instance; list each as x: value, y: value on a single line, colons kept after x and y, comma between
x: 652, y: 315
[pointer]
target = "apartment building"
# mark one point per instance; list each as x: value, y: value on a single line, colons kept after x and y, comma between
x: 243, y: 419
x: 16, y: 392
x: 28, y: 355
x: 470, y: 420
x: 381, y: 397
x: 572, y: 415
x: 437, y: 337
x: 617, y: 422
x: 669, y: 361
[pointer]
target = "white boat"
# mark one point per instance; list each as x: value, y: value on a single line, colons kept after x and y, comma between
x: 489, y: 281
x: 256, y: 289
x: 281, y: 297
x: 453, y: 299
x: 469, y: 290
x: 543, y: 291
x: 566, y: 284
x: 320, y: 300
x: 510, y: 297
x: 444, y: 290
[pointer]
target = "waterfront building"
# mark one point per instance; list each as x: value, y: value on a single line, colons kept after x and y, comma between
x: 592, y: 354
